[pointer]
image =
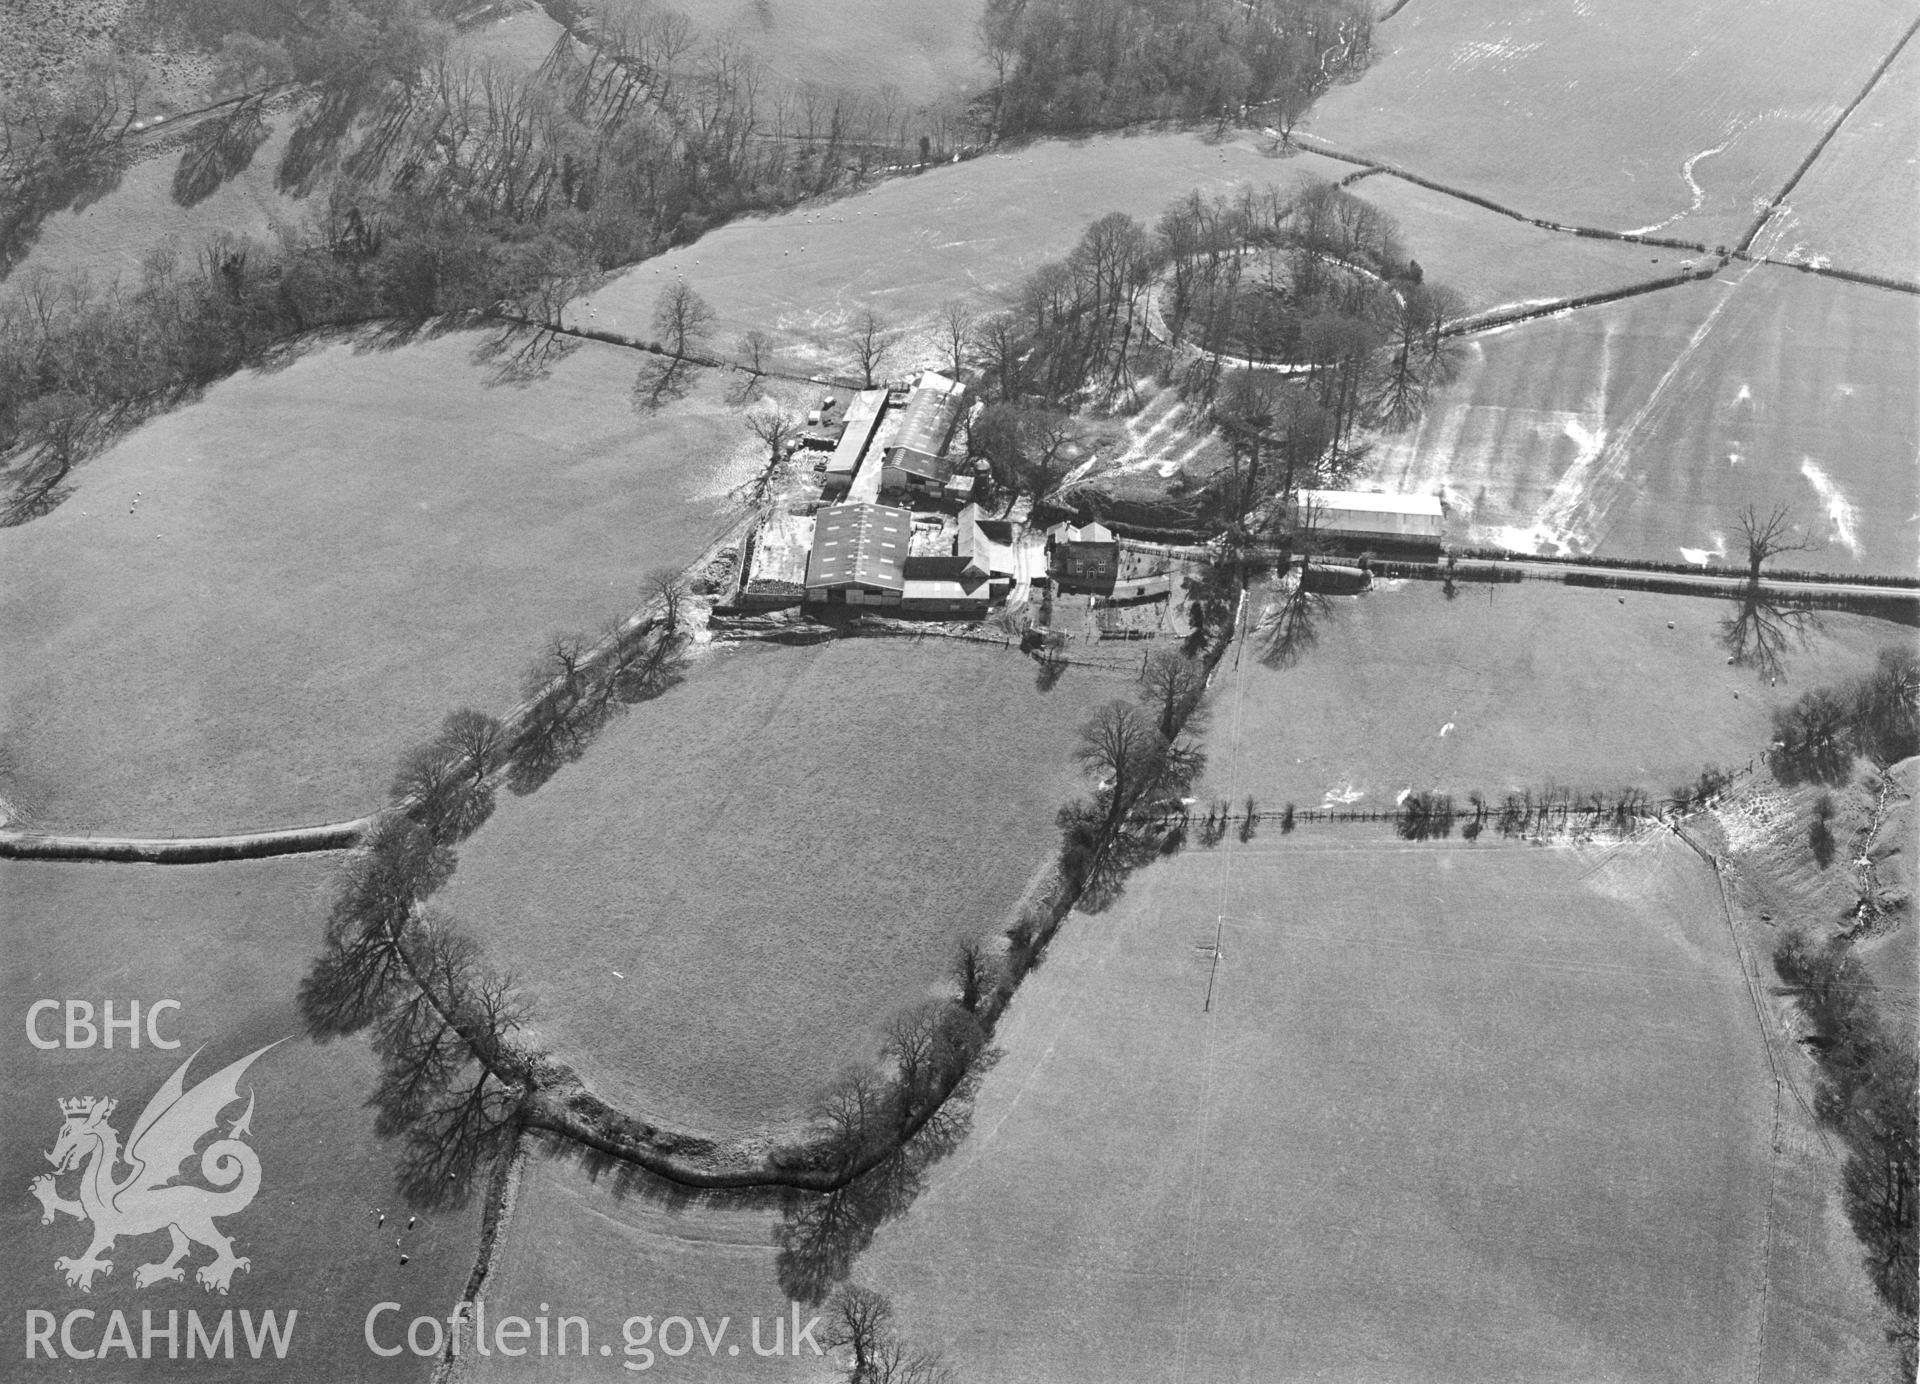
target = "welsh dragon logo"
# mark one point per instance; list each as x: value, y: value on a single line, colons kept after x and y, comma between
x: 148, y: 1199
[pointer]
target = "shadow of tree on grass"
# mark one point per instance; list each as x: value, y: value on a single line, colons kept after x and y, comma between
x: 1762, y: 632
x: 218, y: 151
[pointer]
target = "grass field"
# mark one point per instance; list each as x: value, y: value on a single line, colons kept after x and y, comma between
x: 1509, y: 687
x: 230, y: 943
x: 1630, y: 115
x: 1856, y: 205
x: 719, y: 903
x: 1494, y: 261
x: 971, y: 231
x: 1489, y: 1113
x: 252, y: 605
x: 108, y: 237
x: 1642, y: 428
x: 576, y: 1246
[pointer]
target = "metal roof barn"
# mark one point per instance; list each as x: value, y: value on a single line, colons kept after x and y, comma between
x: 926, y: 426
x: 862, y: 420
x: 859, y: 545
x: 1368, y: 512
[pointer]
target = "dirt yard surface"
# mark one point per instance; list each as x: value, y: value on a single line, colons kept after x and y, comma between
x: 229, y: 943
x: 1631, y: 116
x: 1454, y: 1113
x: 1641, y: 428
x: 719, y: 903
x: 252, y: 605
x: 1507, y: 687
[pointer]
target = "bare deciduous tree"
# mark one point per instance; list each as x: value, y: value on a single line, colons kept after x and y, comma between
x: 668, y: 586
x: 1121, y: 747
x: 1766, y: 536
x: 639, y: 667
x: 756, y: 353
x: 1026, y: 448
x: 957, y: 322
x: 862, y: 1320
x: 853, y: 1109
x: 682, y: 317
x: 896, y: 1361
x: 1171, y: 686
x: 873, y: 341
x: 443, y: 784
x: 566, y: 707
x: 862, y: 1325
x: 776, y: 427
x: 976, y: 968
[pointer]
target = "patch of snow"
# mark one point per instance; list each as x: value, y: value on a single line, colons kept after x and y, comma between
x: 1705, y: 555
x: 1701, y: 557
x: 1841, y: 512
x: 1343, y: 795
x: 1686, y: 172
x: 1500, y: 55
x: 1750, y: 821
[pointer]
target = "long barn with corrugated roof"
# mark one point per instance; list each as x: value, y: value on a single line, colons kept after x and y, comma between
x: 859, y: 555
x: 916, y: 464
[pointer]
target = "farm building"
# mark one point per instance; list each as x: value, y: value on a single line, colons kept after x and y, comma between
x: 859, y: 555
x: 856, y: 436
x: 985, y: 547
x: 917, y: 466
x: 1412, y: 519
x: 945, y: 586
x: 1084, y: 557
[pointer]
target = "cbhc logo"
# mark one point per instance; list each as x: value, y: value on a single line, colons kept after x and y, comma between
x: 82, y: 1032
